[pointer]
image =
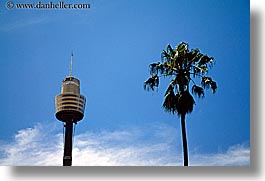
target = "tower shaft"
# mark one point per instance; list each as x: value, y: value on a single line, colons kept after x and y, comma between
x: 68, y: 143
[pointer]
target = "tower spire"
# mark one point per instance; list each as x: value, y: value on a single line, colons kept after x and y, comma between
x: 71, y: 65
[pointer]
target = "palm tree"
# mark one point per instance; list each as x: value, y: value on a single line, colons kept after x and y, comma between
x: 184, y: 66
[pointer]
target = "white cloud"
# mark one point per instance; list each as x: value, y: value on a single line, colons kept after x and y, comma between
x: 22, y: 23
x: 41, y: 145
x: 236, y: 155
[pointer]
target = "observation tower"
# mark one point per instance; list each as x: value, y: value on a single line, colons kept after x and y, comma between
x: 70, y: 107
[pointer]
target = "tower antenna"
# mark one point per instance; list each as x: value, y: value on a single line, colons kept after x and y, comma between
x: 71, y: 64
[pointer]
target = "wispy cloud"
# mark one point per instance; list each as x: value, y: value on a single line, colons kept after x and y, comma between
x: 22, y: 23
x: 37, y: 146
x: 236, y: 155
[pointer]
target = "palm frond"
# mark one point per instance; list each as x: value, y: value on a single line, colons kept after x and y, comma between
x: 205, y: 60
x: 156, y: 68
x: 180, y: 103
x: 185, y: 103
x: 214, y: 86
x: 207, y: 83
x: 170, y: 87
x: 197, y: 91
x: 165, y: 56
x: 151, y: 83
x: 194, y: 55
x: 170, y: 102
x: 182, y: 48
x: 170, y: 50
x: 201, y: 70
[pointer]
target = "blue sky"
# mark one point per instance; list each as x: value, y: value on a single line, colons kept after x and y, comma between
x: 113, y: 44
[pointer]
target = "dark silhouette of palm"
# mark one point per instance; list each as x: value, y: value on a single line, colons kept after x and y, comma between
x: 184, y: 66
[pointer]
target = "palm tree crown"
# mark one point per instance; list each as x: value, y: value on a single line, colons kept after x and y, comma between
x: 181, y: 64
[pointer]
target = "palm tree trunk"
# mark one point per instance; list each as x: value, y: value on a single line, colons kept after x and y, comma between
x: 184, y: 140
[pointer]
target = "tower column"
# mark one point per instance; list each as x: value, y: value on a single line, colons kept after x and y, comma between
x: 68, y: 144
